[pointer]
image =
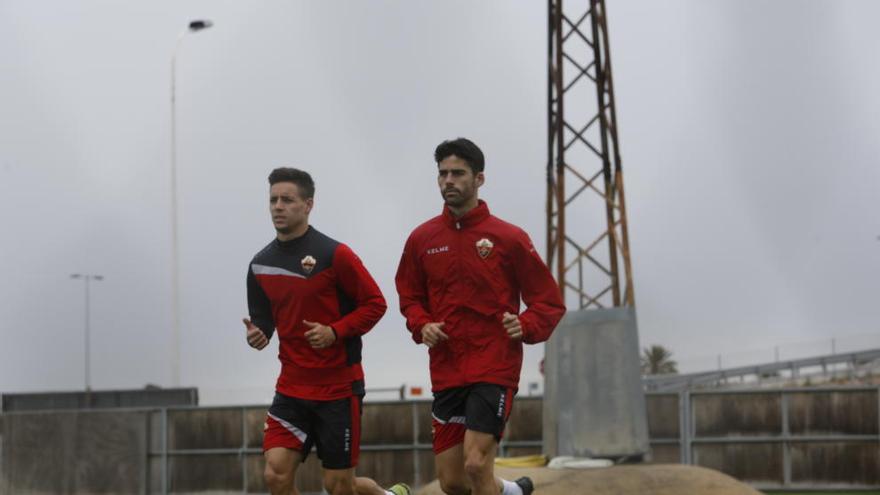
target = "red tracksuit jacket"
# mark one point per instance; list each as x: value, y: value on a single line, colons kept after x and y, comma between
x: 468, y: 272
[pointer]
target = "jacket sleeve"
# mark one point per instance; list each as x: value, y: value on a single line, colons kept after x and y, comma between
x: 544, y: 305
x: 412, y: 290
x: 259, y: 307
x: 358, y: 284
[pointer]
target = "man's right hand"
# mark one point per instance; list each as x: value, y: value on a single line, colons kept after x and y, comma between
x: 432, y: 333
x: 255, y: 337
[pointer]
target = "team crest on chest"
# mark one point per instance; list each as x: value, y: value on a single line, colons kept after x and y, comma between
x: 308, y: 264
x: 484, y: 247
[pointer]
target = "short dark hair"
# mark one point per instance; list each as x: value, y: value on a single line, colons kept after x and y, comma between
x: 299, y: 177
x: 464, y: 149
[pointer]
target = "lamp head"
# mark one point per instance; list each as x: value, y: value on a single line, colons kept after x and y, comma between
x: 199, y: 24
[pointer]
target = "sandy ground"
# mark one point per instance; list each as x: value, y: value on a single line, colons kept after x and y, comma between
x: 659, y: 479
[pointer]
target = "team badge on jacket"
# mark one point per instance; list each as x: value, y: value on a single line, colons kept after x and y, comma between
x: 308, y: 264
x: 484, y: 247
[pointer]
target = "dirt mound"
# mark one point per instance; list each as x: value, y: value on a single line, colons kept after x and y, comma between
x: 642, y: 479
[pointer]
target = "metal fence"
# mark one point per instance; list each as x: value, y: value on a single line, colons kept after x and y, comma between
x: 792, y: 438
x: 816, y: 438
x: 415, y: 450
x: 250, y: 447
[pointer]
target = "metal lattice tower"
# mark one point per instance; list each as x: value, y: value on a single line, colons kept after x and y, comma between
x: 587, y: 241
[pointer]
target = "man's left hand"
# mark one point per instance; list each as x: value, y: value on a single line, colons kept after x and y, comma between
x: 319, y: 336
x: 512, y: 325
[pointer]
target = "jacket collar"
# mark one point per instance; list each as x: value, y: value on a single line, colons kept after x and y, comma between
x: 297, y: 241
x: 469, y: 219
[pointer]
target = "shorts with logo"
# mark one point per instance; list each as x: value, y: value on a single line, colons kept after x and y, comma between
x: 482, y: 407
x: 333, y: 426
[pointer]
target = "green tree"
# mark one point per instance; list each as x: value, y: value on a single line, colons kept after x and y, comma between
x: 656, y: 360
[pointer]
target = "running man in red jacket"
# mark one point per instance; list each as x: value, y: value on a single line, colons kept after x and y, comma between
x: 319, y: 297
x: 460, y: 281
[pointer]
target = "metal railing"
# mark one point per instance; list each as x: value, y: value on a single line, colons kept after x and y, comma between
x: 675, y: 382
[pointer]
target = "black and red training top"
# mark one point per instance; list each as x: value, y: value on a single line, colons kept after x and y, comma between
x: 318, y: 279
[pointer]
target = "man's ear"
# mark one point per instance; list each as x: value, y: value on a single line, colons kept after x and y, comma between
x: 310, y: 203
x: 480, y: 179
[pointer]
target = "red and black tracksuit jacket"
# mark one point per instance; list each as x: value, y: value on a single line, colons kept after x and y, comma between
x: 467, y: 272
x: 317, y: 279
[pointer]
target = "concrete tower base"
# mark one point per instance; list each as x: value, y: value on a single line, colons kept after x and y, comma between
x: 594, y: 405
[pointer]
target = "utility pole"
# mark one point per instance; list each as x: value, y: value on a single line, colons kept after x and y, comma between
x: 88, y: 331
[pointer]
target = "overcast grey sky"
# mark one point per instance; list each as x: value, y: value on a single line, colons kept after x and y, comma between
x: 749, y: 133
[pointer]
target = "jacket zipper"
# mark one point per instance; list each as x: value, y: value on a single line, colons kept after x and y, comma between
x: 459, y: 275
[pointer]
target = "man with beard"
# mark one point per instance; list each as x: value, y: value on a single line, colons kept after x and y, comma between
x: 460, y: 281
x: 317, y: 294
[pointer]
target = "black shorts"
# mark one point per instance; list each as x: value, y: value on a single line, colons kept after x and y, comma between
x: 333, y: 426
x: 482, y: 407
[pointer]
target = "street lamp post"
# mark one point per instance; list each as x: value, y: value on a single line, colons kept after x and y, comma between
x: 193, y: 27
x: 88, y: 335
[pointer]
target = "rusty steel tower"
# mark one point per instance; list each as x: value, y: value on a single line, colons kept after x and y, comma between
x: 587, y: 241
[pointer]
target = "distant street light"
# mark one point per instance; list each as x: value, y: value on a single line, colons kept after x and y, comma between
x: 193, y: 27
x: 88, y: 336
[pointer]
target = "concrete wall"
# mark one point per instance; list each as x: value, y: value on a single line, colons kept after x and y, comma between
x: 99, y: 399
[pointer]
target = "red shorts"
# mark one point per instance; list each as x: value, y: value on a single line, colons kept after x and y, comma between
x: 482, y: 407
x: 333, y: 426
